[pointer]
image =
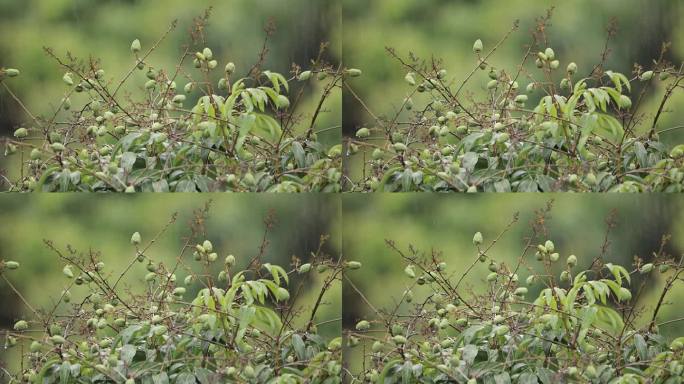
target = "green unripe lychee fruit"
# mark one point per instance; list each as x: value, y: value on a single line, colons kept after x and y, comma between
x: 400, y: 147
x: 646, y: 76
x: 304, y: 268
x: 21, y: 325
x: 354, y: 72
x: 354, y: 265
x: 565, y: 276
x: 362, y: 325
x: 21, y: 133
x: 35, y: 346
x: 646, y: 268
x: 549, y: 246
x: 304, y: 76
x: 363, y: 133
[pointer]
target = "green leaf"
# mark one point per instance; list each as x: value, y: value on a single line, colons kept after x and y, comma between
x: 127, y: 353
x: 641, y: 346
x: 469, y: 353
x: 299, y: 154
x: 185, y: 378
x: 161, y: 378
x: 127, y: 161
x: 469, y: 161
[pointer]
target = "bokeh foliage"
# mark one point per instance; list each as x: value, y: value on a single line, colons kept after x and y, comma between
x: 104, y: 224
x: 94, y: 29
x: 446, y: 30
x: 446, y: 224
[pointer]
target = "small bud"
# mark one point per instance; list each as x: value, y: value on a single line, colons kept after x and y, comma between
x: 571, y: 261
x: 304, y: 268
x: 646, y: 76
x: 11, y: 264
x: 12, y: 72
x: 135, y: 238
x: 67, y: 272
x: 410, y: 272
x: 354, y: 265
x: 208, y: 54
x: 410, y: 78
x: 135, y: 46
x: 572, y: 68
x: 550, y: 54
x: 230, y: 260
x: 354, y: 72
x: 67, y: 79
x: 477, y: 239
x: 304, y: 76
x: 646, y: 268
x: 478, y: 46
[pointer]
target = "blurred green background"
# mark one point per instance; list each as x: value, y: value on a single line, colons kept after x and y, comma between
x: 104, y: 29
x: 446, y: 29
x: 447, y: 223
x: 105, y: 224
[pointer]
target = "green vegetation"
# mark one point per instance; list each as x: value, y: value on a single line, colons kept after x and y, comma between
x: 584, y: 325
x: 194, y: 122
x: 240, y: 326
x: 587, y: 132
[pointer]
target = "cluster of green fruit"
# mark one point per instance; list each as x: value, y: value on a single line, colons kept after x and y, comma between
x: 238, y: 327
x: 242, y: 134
x: 569, y: 333
x: 583, y: 134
